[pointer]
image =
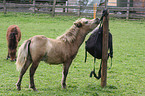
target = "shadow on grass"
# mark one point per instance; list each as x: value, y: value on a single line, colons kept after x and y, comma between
x: 110, y: 89
x: 72, y: 90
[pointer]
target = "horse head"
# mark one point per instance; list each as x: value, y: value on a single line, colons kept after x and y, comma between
x: 12, y: 54
x: 87, y: 24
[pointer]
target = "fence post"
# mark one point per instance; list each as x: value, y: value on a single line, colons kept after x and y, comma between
x: 106, y: 3
x: 34, y: 5
x: 95, y: 10
x: 143, y: 3
x: 53, y: 8
x: 64, y: 7
x: 128, y: 6
x: 105, y: 50
x: 67, y: 7
x: 79, y: 11
x: 5, y: 9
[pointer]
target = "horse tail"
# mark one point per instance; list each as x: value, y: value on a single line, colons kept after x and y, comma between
x: 23, y: 53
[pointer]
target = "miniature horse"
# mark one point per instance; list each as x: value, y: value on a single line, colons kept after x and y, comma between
x: 53, y: 51
x: 13, y: 37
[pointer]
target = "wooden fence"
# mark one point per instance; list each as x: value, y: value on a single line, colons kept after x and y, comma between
x: 71, y: 8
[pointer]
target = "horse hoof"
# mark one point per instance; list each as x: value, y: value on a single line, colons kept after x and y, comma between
x: 18, y: 88
x: 34, y: 89
x: 12, y: 60
x: 64, y: 87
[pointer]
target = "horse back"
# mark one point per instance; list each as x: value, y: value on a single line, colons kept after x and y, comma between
x: 13, y: 29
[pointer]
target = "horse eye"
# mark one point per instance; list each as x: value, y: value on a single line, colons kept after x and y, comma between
x: 86, y: 22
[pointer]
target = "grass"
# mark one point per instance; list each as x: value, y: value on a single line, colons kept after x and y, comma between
x: 126, y: 77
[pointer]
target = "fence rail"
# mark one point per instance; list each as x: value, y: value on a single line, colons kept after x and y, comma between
x: 73, y: 9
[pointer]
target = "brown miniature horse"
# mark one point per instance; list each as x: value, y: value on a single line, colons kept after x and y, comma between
x: 13, y: 37
x: 53, y: 51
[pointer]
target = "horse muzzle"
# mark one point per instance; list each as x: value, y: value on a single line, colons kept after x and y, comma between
x: 13, y: 60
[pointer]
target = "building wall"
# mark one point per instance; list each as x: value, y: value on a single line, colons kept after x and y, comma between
x: 112, y: 2
x: 138, y: 3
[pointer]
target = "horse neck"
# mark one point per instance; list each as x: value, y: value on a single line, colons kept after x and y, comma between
x: 74, y: 37
x: 80, y: 39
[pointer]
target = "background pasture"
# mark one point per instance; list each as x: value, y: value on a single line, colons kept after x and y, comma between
x: 127, y: 76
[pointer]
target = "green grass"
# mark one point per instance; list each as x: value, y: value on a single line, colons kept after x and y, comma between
x: 126, y: 78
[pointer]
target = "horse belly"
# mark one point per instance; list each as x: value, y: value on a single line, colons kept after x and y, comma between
x: 54, y: 56
x: 53, y: 61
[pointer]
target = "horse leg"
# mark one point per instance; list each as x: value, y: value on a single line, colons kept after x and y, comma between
x: 64, y: 73
x: 15, y: 58
x: 32, y: 72
x: 23, y: 70
x: 8, y: 56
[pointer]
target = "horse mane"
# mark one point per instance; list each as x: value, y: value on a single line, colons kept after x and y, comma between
x: 70, y: 35
x: 12, y: 44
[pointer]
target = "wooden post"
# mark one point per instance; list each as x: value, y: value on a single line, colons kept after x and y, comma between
x: 128, y: 5
x: 95, y: 10
x: 104, y: 50
x: 53, y: 8
x: 106, y: 3
x: 79, y: 11
x: 64, y: 7
x: 34, y: 11
x: 143, y: 3
x: 5, y: 9
x: 67, y: 5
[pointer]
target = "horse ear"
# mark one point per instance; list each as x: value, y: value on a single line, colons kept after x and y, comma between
x: 78, y: 24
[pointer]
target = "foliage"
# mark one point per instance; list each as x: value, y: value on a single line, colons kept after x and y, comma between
x: 126, y: 77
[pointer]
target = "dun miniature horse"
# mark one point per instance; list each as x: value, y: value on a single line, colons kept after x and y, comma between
x: 53, y: 51
x: 13, y: 37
